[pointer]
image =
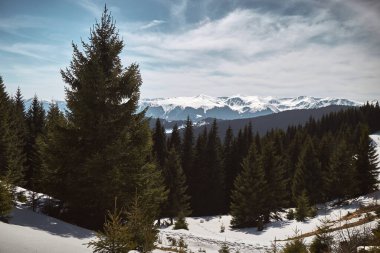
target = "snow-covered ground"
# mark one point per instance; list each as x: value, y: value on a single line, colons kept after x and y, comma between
x: 32, y: 232
x: 205, y: 232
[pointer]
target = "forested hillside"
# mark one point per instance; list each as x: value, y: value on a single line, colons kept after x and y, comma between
x: 106, y: 169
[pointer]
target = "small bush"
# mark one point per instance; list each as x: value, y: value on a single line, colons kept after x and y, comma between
x: 290, y: 215
x: 296, y: 246
x: 172, y: 240
x: 313, y: 211
x: 180, y: 223
x: 222, y: 228
x: 224, y: 249
x: 182, y: 246
x: 5, y: 201
x: 20, y: 197
x: 321, y: 244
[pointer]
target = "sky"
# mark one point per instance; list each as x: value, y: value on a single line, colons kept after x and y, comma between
x: 320, y: 48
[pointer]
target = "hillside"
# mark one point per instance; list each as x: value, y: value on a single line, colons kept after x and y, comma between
x: 260, y: 124
x: 34, y: 232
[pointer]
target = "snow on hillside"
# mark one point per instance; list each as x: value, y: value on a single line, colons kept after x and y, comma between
x: 204, y: 232
x: 376, y: 141
x: 30, y: 232
x: 33, y: 232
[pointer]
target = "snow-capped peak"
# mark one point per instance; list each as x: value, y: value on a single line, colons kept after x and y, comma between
x: 233, y: 107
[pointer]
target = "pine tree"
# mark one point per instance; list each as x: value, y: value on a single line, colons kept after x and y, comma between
x: 342, y: 172
x: 187, y: 151
x: 325, y: 150
x: 178, y: 203
x: 159, y: 144
x: 248, y: 197
x: 35, y: 122
x: 54, y: 180
x: 215, y: 174
x: 5, y: 200
x: 308, y: 173
x: 114, y: 238
x: 296, y: 246
x: 199, y: 184
x: 303, y: 207
x: 366, y: 162
x: 175, y: 139
x: 140, y: 231
x: 4, y: 128
x: 273, y: 166
x: 15, y: 136
x: 110, y: 144
x: 228, y: 165
x: 224, y: 249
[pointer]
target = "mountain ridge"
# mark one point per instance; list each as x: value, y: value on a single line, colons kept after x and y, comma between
x: 234, y: 107
x: 203, y: 106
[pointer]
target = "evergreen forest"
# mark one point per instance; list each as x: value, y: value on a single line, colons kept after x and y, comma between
x: 102, y: 164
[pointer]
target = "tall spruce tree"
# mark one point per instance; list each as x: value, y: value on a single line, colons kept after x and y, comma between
x: 15, y: 136
x: 273, y: 166
x: 228, y: 166
x: 342, y: 172
x: 307, y: 176
x: 215, y: 175
x: 366, y: 162
x: 174, y: 141
x: 35, y: 122
x: 110, y: 144
x: 6, y: 203
x: 249, y: 195
x: 159, y: 144
x: 178, y: 201
x: 199, y: 180
x: 187, y: 148
x: 4, y: 128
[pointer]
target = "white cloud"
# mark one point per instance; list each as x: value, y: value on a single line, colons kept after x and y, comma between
x: 91, y: 6
x: 45, y: 52
x: 151, y: 24
x: 258, y: 54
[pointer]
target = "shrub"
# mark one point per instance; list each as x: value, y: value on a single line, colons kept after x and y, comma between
x: 180, y: 223
x: 224, y: 249
x: 290, y: 215
x: 5, y: 201
x: 296, y: 246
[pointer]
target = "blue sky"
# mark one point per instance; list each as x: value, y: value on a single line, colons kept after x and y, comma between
x: 322, y: 48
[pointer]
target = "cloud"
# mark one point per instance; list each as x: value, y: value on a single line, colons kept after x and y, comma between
x: 151, y: 24
x: 45, y: 52
x: 21, y: 21
x: 260, y: 53
x: 91, y: 6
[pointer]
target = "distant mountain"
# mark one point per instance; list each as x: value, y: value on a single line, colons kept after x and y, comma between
x: 261, y: 124
x: 201, y: 107
x: 45, y: 104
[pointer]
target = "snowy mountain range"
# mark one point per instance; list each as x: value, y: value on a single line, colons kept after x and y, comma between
x: 201, y: 107
x: 234, y: 107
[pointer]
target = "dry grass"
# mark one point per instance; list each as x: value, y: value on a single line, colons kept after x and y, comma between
x: 368, y: 217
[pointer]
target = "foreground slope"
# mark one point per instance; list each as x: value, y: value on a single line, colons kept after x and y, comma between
x: 34, y: 232
x: 28, y: 231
